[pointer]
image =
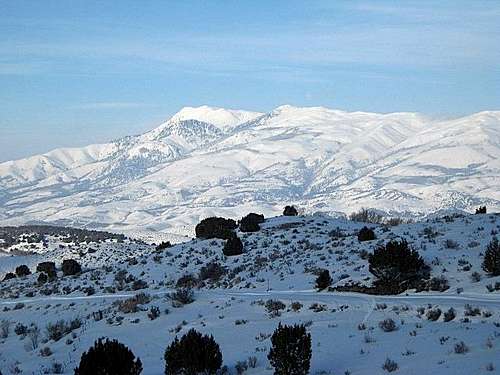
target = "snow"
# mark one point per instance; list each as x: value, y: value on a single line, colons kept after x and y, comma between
x: 217, y: 160
x: 289, y: 248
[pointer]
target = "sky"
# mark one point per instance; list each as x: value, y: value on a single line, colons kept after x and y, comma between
x: 79, y: 72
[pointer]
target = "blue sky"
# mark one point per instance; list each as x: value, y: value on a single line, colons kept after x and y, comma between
x: 80, y: 72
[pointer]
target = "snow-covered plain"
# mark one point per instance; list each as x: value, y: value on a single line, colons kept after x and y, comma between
x: 279, y: 262
x: 208, y: 161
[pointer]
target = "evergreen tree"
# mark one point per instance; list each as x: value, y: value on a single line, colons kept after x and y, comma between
x: 233, y: 246
x: 109, y: 358
x: 290, y: 211
x: 22, y: 270
x: 397, y: 266
x: 290, y: 353
x: 193, y: 354
x: 323, y: 280
x: 491, y: 262
x: 366, y: 234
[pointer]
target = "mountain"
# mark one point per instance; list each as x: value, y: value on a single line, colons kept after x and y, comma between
x: 212, y: 161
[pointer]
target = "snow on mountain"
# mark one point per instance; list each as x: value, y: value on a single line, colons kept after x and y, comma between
x: 224, y: 119
x: 210, y: 161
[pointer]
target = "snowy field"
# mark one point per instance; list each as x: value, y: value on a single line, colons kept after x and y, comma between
x: 279, y: 263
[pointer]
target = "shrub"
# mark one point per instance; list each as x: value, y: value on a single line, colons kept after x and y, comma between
x: 449, y: 315
x: 193, y: 354
x: 163, y: 245
x: 491, y: 262
x: 70, y: 267
x: 48, y: 267
x: 366, y: 216
x: 291, y: 352
x: 212, y: 271
x: 290, y: 211
x: 182, y: 296
x: 390, y: 365
x: 154, y: 312
x: 461, y: 348
x: 109, y: 358
x: 396, y: 266
x: 45, y: 352
x: 481, y: 210
x: 439, y: 284
x: 274, y: 307
x: 23, y: 270
x: 366, y: 234
x: 20, y: 329
x: 55, y: 331
x: 233, y: 246
x: 433, y: 315
x: 250, y: 223
x: 215, y: 227
x: 323, y: 280
x: 139, y: 284
x: 388, y: 325
x: 187, y: 281
x: 9, y: 276
x: 42, y: 278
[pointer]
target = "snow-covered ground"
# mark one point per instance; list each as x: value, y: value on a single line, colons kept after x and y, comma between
x: 279, y: 263
x: 209, y: 161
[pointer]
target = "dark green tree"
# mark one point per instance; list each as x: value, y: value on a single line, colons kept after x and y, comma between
x: 109, y: 358
x: 193, y: 354
x: 366, y: 234
x: 291, y: 352
x: 491, y: 261
x: 323, y: 280
x: 233, y: 246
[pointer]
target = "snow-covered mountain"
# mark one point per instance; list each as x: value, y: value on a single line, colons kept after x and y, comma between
x: 213, y: 161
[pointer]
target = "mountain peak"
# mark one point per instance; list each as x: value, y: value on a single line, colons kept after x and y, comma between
x: 222, y: 118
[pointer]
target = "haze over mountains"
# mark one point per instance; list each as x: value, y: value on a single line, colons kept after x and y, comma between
x: 211, y: 161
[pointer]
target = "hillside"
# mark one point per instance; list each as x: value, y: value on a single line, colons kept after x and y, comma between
x: 210, y: 161
x: 280, y: 262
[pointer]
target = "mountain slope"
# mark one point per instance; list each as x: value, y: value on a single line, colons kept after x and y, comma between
x: 210, y: 161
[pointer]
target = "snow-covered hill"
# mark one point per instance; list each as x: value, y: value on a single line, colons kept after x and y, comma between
x: 211, y: 161
x: 247, y: 295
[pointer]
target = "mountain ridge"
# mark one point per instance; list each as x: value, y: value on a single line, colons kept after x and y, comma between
x: 319, y: 158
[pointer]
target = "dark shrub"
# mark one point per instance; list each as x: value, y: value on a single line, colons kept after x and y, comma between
x: 181, y: 297
x: 366, y: 216
x: 48, y: 267
x: 187, y: 281
x: 396, y: 266
x: 481, y: 210
x: 164, y: 245
x: 139, y: 284
x: 212, y: 271
x: 9, y: 276
x: 250, y: 223
x: 366, y: 234
x: 216, y: 227
x: 23, y: 270
x: 42, y: 278
x: 449, y: 315
x: 290, y: 353
x: 433, y: 315
x: 323, y: 280
x: 70, y: 267
x: 290, y: 211
x: 193, y: 354
x: 233, y: 246
x: 491, y: 262
x: 109, y: 358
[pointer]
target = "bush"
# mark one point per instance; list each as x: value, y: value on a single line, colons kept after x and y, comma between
x: 323, y: 280
x: 397, y: 267
x: 273, y: 307
x: 250, y: 223
x: 193, y: 354
x: 163, y: 246
x: 187, y: 281
x: 449, y: 315
x: 366, y: 216
x: 23, y: 270
x: 9, y: 276
x: 481, y: 210
x: 366, y: 234
x: 109, y: 358
x: 290, y: 211
x: 433, y: 315
x: 182, y: 296
x: 233, y: 246
x: 388, y: 325
x: 70, y: 267
x: 42, y: 278
x: 390, y: 365
x: 212, y: 271
x: 48, y: 267
x: 491, y: 262
x: 291, y: 352
x: 216, y: 227
x: 154, y: 312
